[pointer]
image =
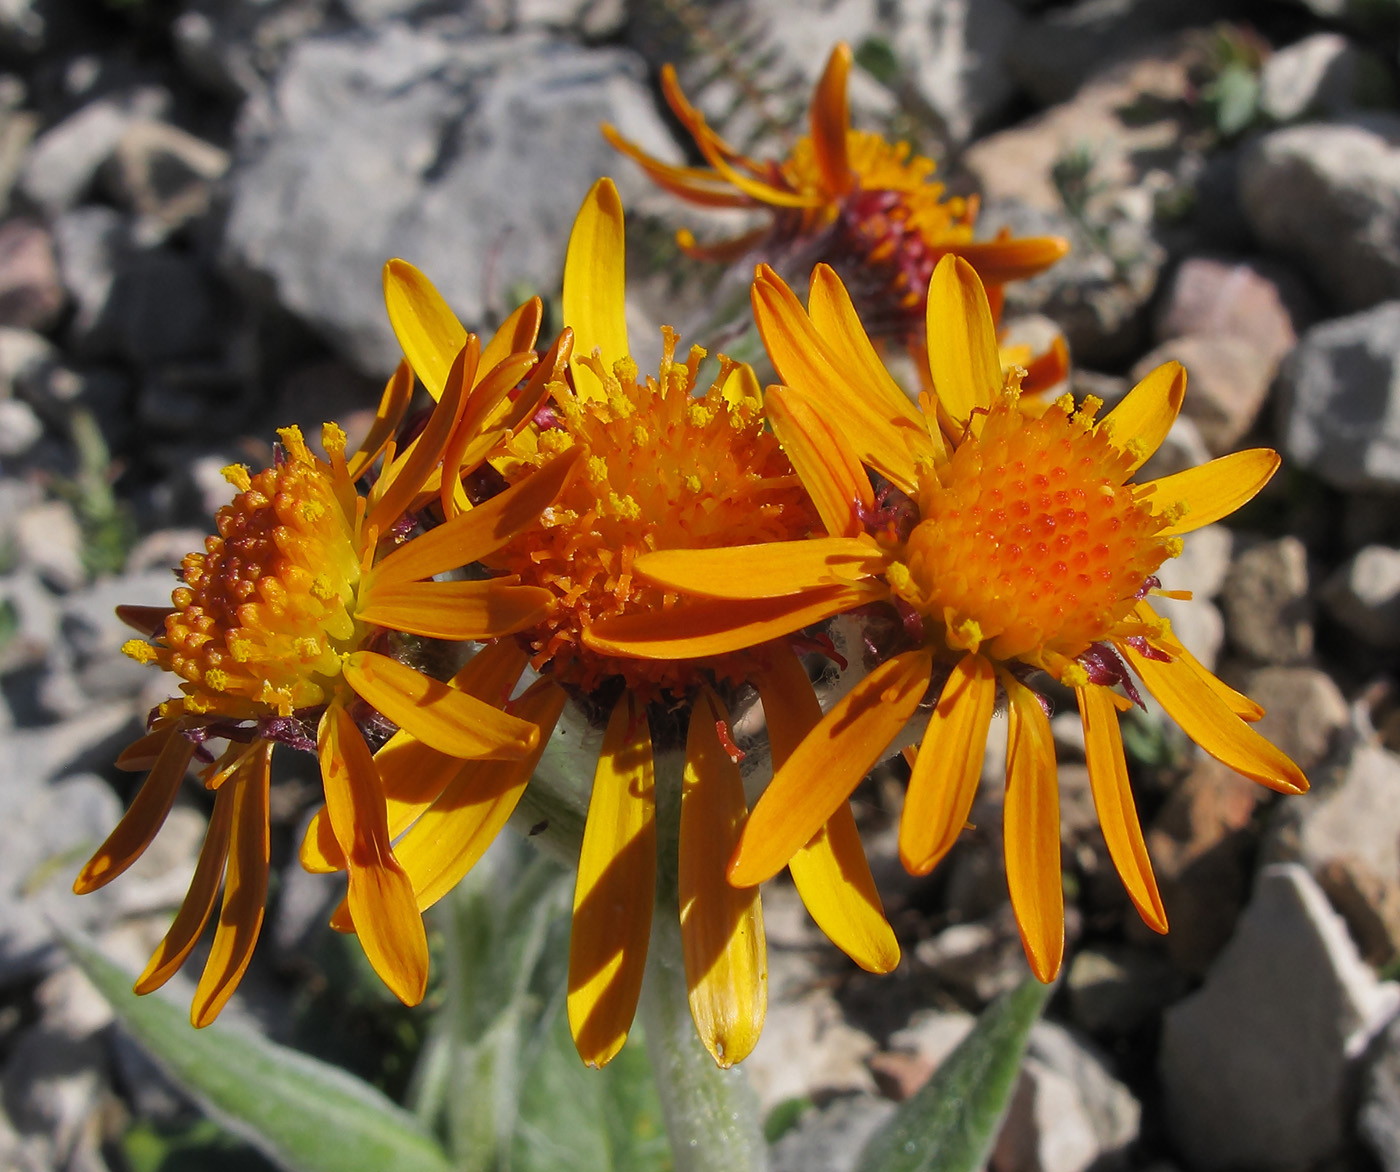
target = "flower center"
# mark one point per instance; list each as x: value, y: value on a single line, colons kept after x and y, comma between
x: 666, y: 470
x: 266, y: 611
x: 1029, y: 544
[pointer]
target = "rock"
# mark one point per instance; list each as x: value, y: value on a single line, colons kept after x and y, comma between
x: 594, y: 19
x: 93, y: 635
x: 1304, y: 711
x: 1339, y: 401
x: 917, y: 1050
x: 831, y: 1138
x: 808, y: 1049
x: 25, y: 359
x: 1341, y: 221
x: 64, y: 160
x: 1199, y: 625
x: 1200, y: 844
x: 163, y: 174
x: 1317, y: 76
x: 1267, y: 610
x: 1202, y: 565
x: 31, y: 293
x: 49, y: 540
x: 1228, y: 381
x: 34, y: 611
x: 20, y: 428
x: 1364, y: 596
x: 1068, y: 1113
x: 1118, y: 989
x: 1255, y: 1068
x: 1261, y: 304
x: 1182, y: 448
x: 1378, y: 1120
x: 422, y: 127
x: 983, y: 958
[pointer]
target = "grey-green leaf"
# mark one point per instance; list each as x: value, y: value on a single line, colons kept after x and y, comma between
x: 951, y: 1122
x: 304, y: 1115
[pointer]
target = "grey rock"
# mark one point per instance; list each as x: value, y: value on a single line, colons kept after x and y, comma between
x: 1228, y: 382
x: 1364, y: 595
x: 421, y: 128
x: 90, y: 242
x: 594, y: 19
x: 1378, y: 1120
x: 1339, y: 401
x: 808, y: 1049
x: 1304, y: 711
x: 1256, y: 1070
x: 1203, y: 563
x: 93, y: 635
x: 1267, y: 609
x: 25, y: 358
x: 1341, y: 220
x: 831, y: 1139
x: 20, y: 428
x: 1316, y: 76
x: 34, y: 610
x: 31, y: 292
x: 163, y: 174
x: 63, y: 162
x: 1116, y: 989
x: 49, y: 541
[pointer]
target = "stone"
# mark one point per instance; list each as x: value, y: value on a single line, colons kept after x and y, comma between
x: 1198, y: 624
x: 1182, y: 448
x: 1364, y: 595
x: 1378, y: 1120
x: 90, y: 242
x: 20, y: 428
x: 1317, y: 76
x: 421, y: 127
x: 1202, y: 564
x: 1304, y: 711
x: 982, y: 958
x: 1116, y: 989
x: 25, y: 358
x: 808, y: 1049
x: 63, y: 162
x: 917, y: 1050
x: 31, y: 291
x: 49, y: 540
x: 1339, y: 401
x: 1227, y: 384
x: 831, y: 1138
x: 1253, y: 301
x: 1268, y: 612
x: 164, y: 175
x: 1341, y: 220
x: 1256, y: 1069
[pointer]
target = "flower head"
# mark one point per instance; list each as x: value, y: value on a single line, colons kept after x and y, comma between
x: 847, y: 197
x: 1005, y: 542
x: 292, y: 627
x: 665, y: 464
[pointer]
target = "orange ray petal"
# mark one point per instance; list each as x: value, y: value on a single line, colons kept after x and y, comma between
x: 1208, y: 492
x: 1113, y: 799
x: 773, y: 569
x: 726, y: 961
x: 615, y: 889
x: 1031, y: 827
x: 962, y: 342
x: 456, y: 610
x: 144, y: 752
x: 148, y: 620
x: 444, y: 718
x: 698, y: 185
x: 714, y: 626
x: 427, y: 330
x: 831, y: 118
x: 320, y: 854
x: 1015, y: 258
x: 145, y: 816
x: 198, y: 903
x: 470, y: 536
x: 828, y: 467
x: 1237, y: 702
x: 380, y: 896
x: 516, y: 335
x: 1141, y: 421
x: 1047, y: 368
x: 828, y: 764
x: 245, y: 889
x: 721, y: 251
x: 1206, y: 718
x: 944, y: 780
x: 830, y: 872
x: 393, y: 404
x: 595, y: 285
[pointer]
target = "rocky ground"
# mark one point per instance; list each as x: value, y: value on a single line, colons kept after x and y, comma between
x: 197, y: 196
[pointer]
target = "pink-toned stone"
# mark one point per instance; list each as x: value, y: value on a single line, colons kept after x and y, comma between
x: 31, y: 291
x: 1228, y: 382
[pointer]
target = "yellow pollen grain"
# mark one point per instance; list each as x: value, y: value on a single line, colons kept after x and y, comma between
x: 139, y: 650
x: 237, y: 475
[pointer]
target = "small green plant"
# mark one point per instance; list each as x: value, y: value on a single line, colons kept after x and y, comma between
x: 107, y: 527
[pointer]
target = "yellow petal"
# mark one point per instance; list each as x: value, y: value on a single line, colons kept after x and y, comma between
x: 826, y: 464
x: 726, y: 962
x: 944, y: 780
x: 805, y: 363
x: 1208, y: 492
x: 615, y: 889
x: 427, y: 330
x: 454, y: 832
x: 143, y: 819
x: 595, y: 285
x: 1141, y: 421
x: 470, y: 536
x: 444, y: 718
x: 1113, y: 799
x: 714, y: 626
x: 199, y: 901
x: 516, y: 335
x: 320, y: 853
x: 393, y: 405
x: 380, y: 895
x: 1206, y: 718
x: 455, y: 610
x: 245, y: 890
x: 774, y: 569
x: 962, y: 342
x: 831, y: 873
x: 831, y: 118
x: 828, y: 764
x: 1031, y: 826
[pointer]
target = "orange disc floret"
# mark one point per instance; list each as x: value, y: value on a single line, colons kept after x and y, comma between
x: 265, y: 612
x: 1029, y: 544
x: 666, y: 470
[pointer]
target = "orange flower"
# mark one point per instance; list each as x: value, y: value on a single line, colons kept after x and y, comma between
x: 662, y: 467
x: 289, y: 628
x: 1006, y: 543
x: 849, y: 198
